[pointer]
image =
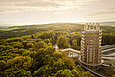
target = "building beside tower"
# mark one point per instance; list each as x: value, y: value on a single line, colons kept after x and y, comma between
x: 91, y: 46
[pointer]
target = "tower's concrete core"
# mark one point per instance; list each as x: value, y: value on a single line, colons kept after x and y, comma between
x: 91, y: 46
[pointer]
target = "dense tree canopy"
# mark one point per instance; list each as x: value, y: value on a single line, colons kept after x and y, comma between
x: 34, y: 55
x: 63, y: 42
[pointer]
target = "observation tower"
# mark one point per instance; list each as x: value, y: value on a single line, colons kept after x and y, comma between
x: 91, y: 46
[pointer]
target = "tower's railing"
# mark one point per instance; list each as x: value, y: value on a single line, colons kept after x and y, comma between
x: 92, y: 26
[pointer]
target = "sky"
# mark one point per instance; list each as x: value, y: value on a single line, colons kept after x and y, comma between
x: 20, y: 12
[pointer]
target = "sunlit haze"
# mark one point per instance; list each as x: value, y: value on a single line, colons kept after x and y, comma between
x: 20, y: 12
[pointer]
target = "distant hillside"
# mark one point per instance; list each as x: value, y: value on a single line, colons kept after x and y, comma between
x: 3, y: 27
x: 16, y: 31
x: 108, y: 23
x: 43, y: 25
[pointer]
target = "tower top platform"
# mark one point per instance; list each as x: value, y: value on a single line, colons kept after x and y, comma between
x: 92, y: 27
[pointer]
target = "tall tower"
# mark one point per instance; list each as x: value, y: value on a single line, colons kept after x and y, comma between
x: 91, y: 46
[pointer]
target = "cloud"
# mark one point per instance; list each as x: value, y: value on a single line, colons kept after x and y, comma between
x: 111, y: 19
x: 26, y: 5
x: 59, y: 13
x: 100, y: 12
x: 93, y: 19
x: 41, y: 5
x: 38, y: 3
x: 7, y: 6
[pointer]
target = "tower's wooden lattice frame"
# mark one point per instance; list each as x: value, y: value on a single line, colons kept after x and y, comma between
x: 91, y: 46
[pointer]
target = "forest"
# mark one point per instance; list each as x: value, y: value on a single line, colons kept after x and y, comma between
x: 108, y: 32
x: 29, y: 50
x: 34, y: 55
